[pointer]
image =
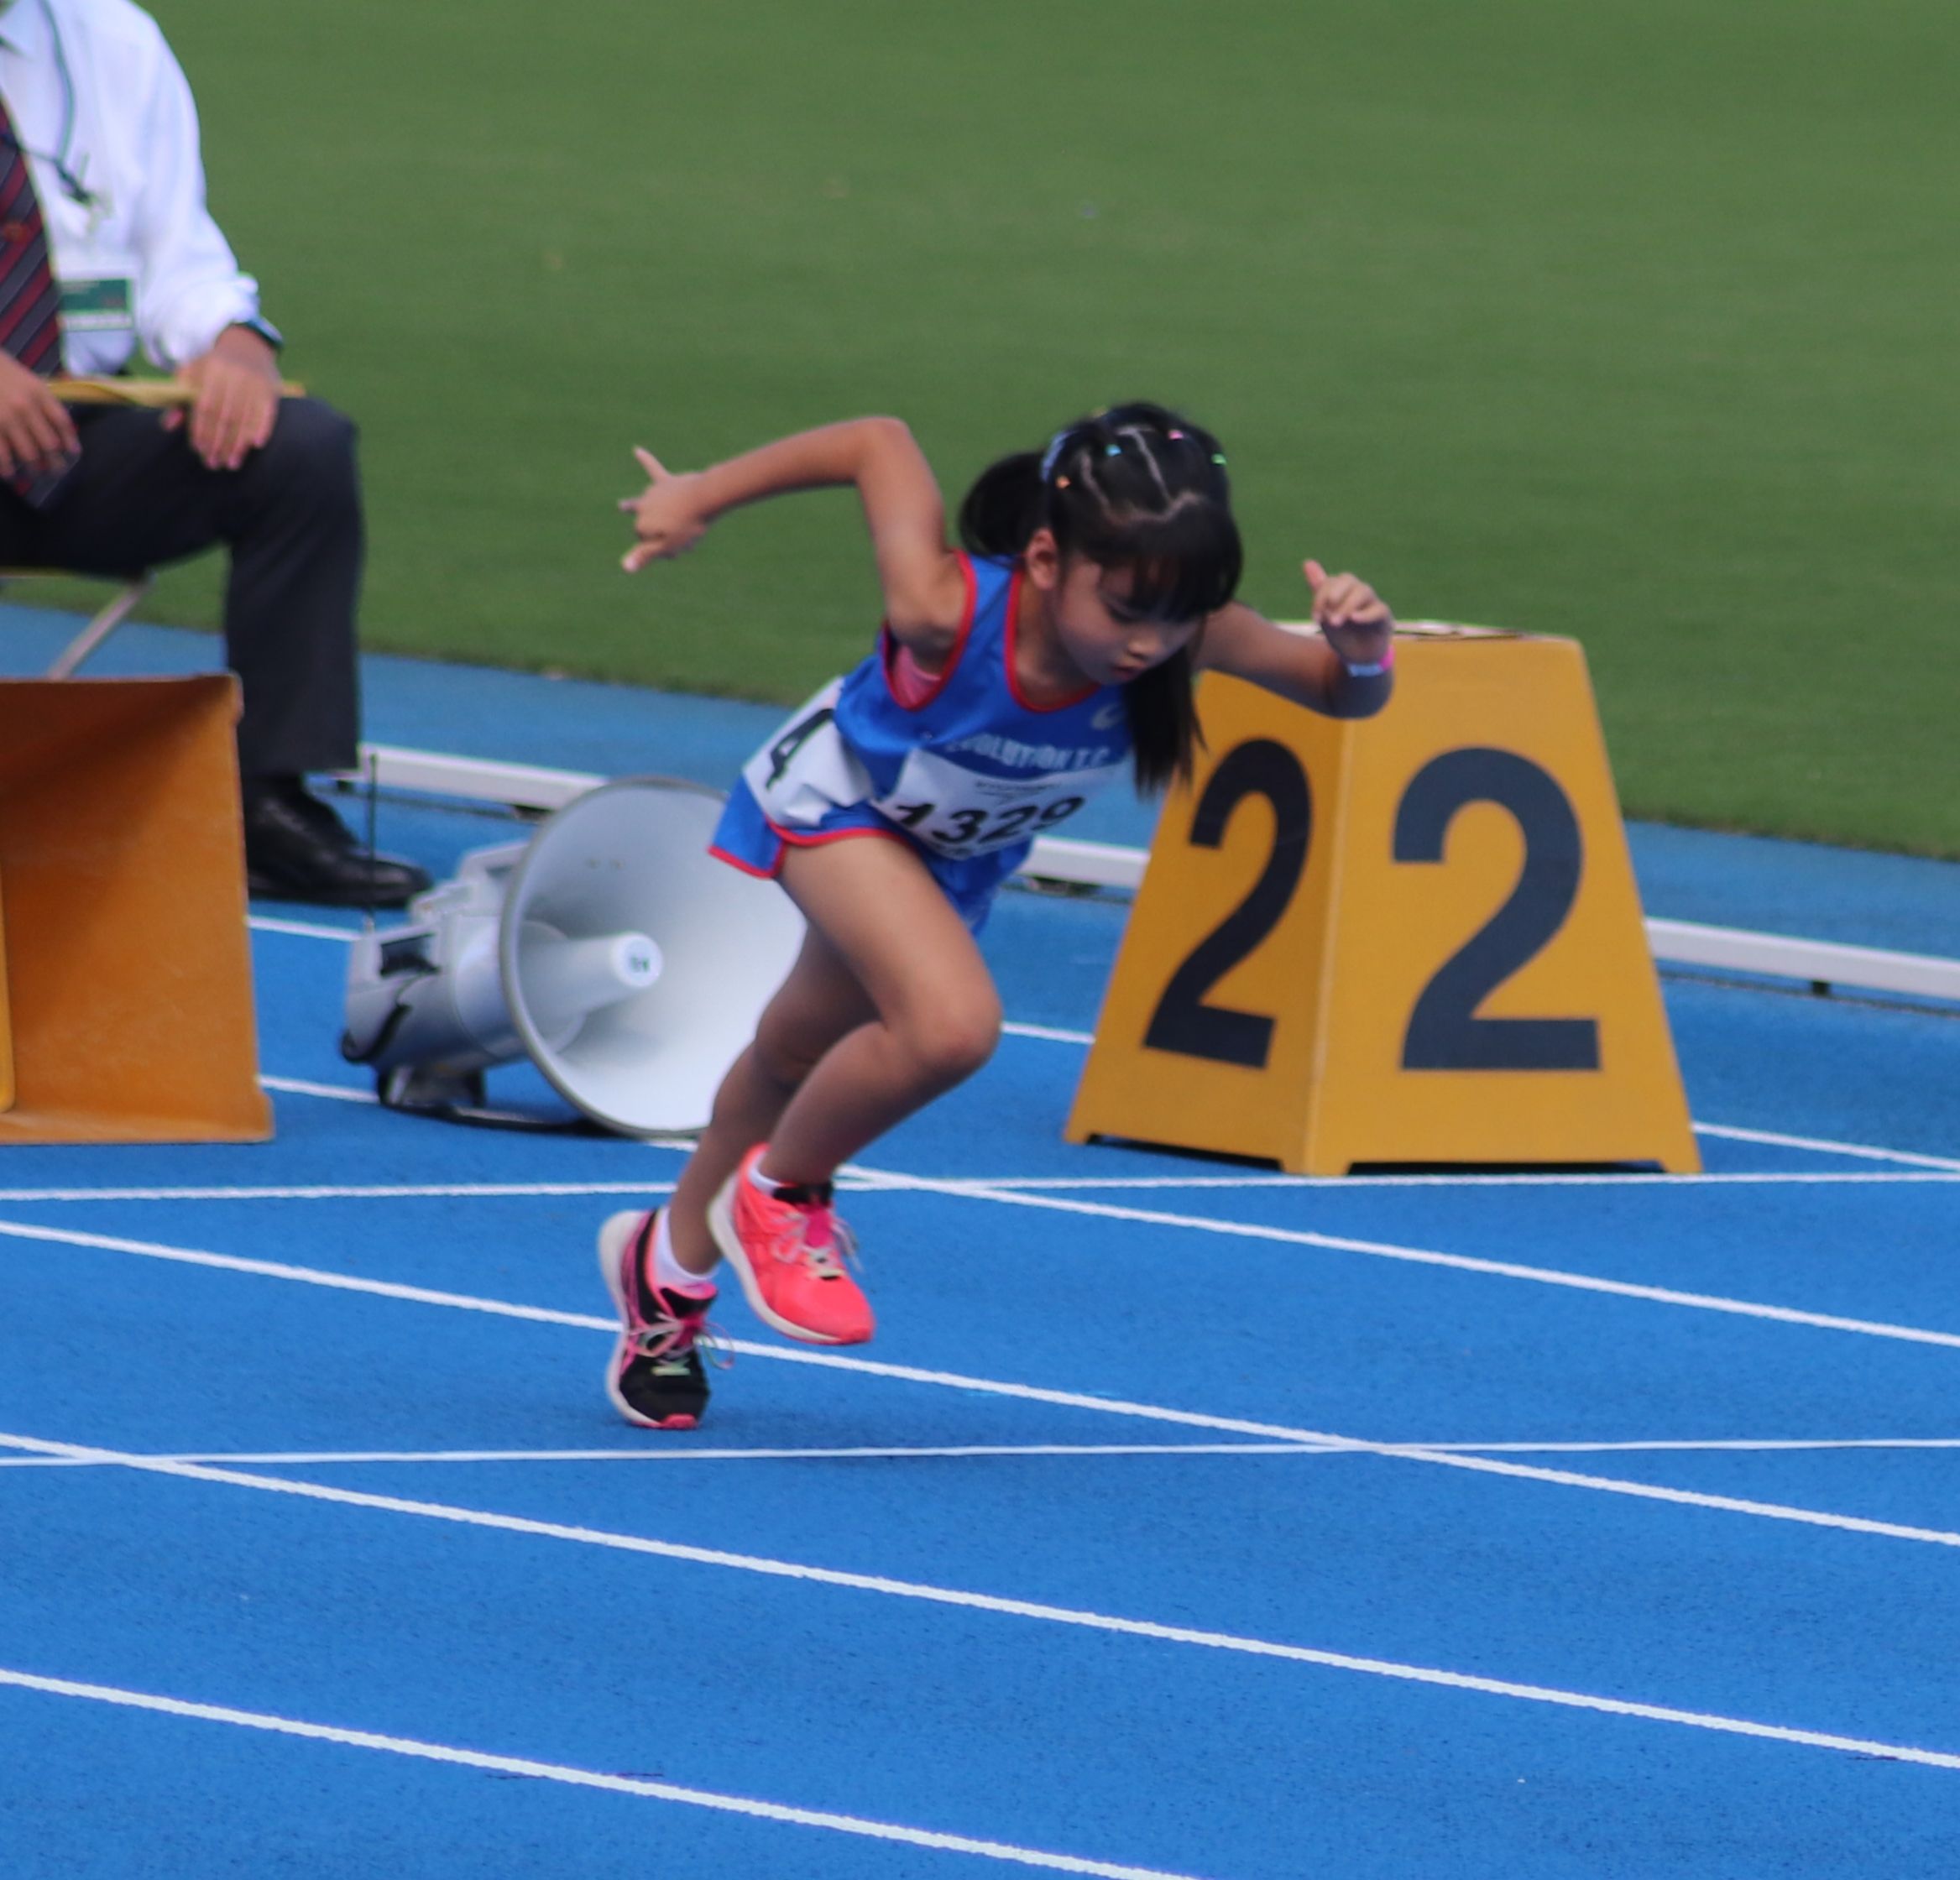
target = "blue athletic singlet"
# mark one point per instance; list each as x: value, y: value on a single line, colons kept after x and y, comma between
x: 968, y: 774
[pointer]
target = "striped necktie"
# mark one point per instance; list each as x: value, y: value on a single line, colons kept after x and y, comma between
x: 30, y: 304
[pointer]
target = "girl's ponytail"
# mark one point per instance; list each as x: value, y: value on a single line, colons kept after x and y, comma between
x: 1003, y: 509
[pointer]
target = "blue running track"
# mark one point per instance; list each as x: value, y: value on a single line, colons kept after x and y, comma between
x: 1182, y: 1520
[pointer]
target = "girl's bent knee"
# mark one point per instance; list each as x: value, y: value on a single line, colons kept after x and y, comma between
x: 951, y: 1045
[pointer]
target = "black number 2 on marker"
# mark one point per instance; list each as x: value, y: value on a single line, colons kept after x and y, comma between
x: 1445, y: 1033
x: 1183, y: 1022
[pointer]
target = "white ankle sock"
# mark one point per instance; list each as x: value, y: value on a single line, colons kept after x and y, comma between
x: 667, y: 1271
x: 767, y: 1183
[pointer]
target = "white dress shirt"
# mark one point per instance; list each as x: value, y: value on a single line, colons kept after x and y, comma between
x: 105, y: 114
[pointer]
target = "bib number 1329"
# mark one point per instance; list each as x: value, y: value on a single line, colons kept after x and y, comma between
x: 972, y: 832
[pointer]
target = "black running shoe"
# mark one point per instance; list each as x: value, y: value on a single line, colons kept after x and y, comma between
x: 654, y: 1377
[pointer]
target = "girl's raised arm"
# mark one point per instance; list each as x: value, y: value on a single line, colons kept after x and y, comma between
x: 925, y: 592
x: 1343, y: 670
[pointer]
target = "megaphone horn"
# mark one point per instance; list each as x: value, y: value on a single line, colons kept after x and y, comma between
x: 611, y: 948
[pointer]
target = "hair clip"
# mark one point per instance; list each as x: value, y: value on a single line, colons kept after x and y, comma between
x: 1061, y: 482
x: 1052, y: 455
x: 1112, y: 450
x: 1218, y: 456
x: 1175, y: 436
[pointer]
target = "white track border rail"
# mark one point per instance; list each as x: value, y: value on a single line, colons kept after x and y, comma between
x: 1100, y: 864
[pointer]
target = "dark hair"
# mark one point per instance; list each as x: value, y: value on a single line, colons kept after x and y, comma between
x: 1135, y: 487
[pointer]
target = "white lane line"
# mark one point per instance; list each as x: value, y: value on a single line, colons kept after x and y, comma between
x: 1031, y: 1184
x: 885, y: 1181
x: 1710, y: 1445
x: 897, y: 1452
x: 304, y: 1276
x: 1768, y: 1137
x: 298, y: 1087
x: 911, y: 1452
x: 1350, y: 1184
x: 583, y: 1779
x: 401, y: 1190
x: 1029, y: 1393
x: 987, y: 1602
x: 1052, y: 1034
x: 305, y: 930
x: 1056, y: 1034
x: 1825, y: 1147
x: 1385, y: 1250
x: 1817, y: 1145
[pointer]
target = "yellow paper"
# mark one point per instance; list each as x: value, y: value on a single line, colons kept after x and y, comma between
x: 157, y: 395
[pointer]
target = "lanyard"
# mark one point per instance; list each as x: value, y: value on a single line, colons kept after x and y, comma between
x: 72, y: 186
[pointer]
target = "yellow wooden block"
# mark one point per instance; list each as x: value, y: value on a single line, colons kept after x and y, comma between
x: 128, y: 966
x: 1412, y: 938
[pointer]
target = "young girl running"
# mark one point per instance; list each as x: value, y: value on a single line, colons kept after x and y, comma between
x: 1053, y: 652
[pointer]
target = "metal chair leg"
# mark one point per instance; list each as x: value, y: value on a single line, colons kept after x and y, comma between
x: 98, y: 629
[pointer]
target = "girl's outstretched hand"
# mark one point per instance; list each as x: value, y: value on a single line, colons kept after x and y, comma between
x: 1354, y: 619
x: 667, y: 516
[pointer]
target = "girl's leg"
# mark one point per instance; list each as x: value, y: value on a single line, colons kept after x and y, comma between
x: 930, y: 1017
x: 816, y: 1006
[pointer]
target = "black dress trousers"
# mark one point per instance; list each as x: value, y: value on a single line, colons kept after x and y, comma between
x: 291, y: 518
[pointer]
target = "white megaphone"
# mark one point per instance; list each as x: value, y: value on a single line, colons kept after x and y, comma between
x: 611, y: 948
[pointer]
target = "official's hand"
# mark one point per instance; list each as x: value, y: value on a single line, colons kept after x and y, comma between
x: 237, y: 383
x: 36, y: 432
x: 1354, y: 619
x: 666, y: 518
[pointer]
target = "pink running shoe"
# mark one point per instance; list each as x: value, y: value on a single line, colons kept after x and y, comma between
x: 788, y: 1250
x: 654, y: 1376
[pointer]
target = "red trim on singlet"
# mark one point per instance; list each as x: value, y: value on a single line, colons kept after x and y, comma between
x: 747, y: 868
x: 817, y: 837
x: 1008, y: 640
x: 890, y: 646
x: 784, y: 839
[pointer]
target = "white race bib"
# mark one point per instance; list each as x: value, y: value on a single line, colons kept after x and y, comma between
x: 957, y: 812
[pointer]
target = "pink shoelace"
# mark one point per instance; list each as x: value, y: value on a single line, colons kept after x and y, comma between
x: 826, y: 1242
x: 667, y: 1340
x: 667, y: 1337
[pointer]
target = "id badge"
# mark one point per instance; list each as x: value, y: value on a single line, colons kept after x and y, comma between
x: 98, y: 303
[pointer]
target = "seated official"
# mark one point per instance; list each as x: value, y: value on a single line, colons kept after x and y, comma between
x: 105, y: 243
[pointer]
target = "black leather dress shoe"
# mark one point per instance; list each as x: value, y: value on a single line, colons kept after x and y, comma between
x: 296, y: 849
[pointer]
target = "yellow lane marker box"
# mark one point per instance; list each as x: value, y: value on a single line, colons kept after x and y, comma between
x: 1412, y: 938
x: 128, y: 964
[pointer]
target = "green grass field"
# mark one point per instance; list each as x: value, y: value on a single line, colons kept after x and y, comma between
x: 1635, y: 321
